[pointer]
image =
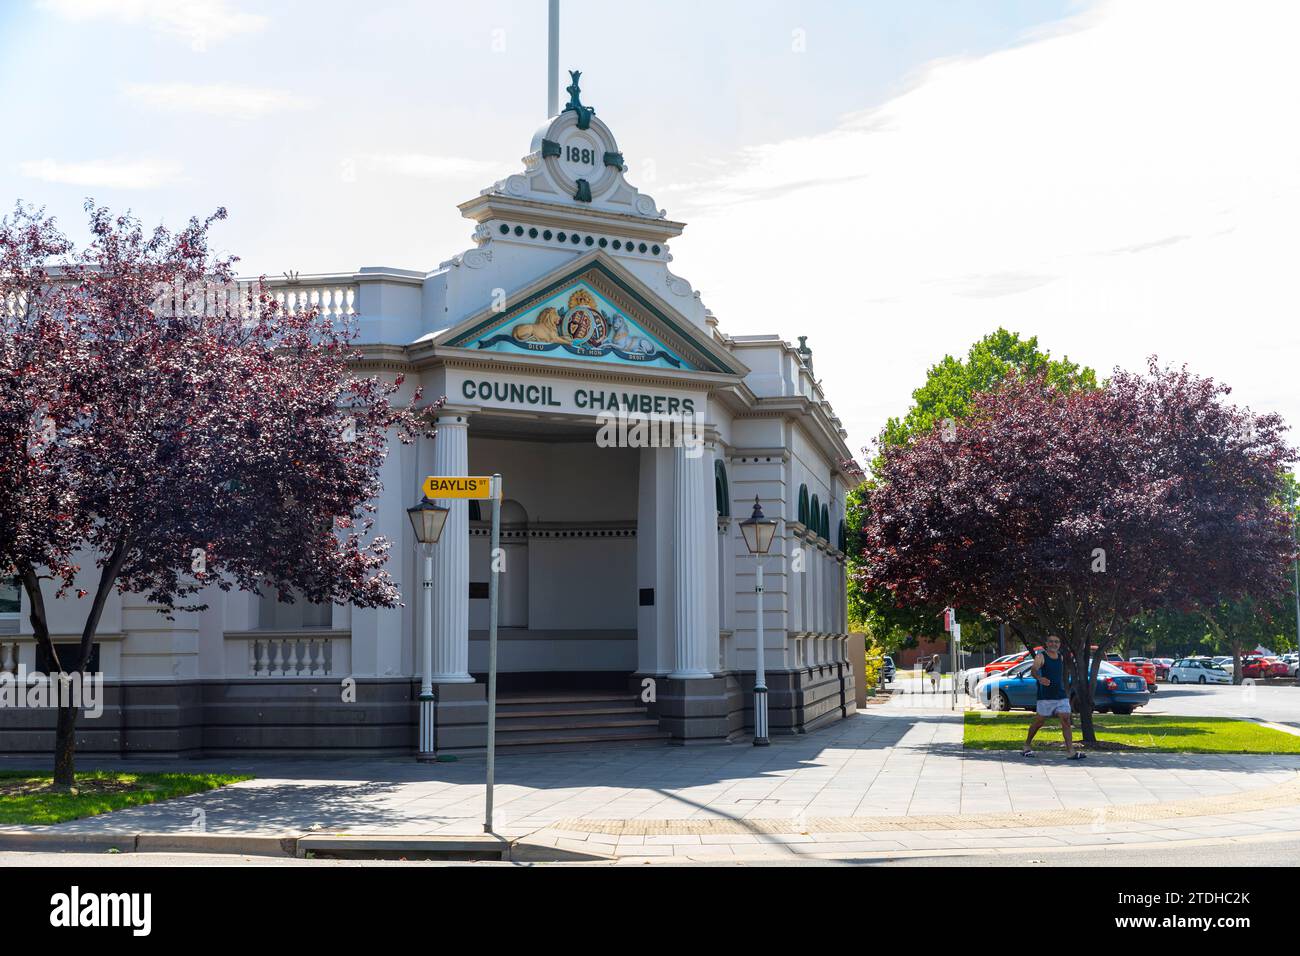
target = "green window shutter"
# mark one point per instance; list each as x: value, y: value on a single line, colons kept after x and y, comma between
x: 721, y: 489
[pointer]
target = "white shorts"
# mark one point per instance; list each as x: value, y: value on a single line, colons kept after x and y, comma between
x: 1052, y: 708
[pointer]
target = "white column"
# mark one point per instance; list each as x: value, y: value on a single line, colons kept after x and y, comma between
x: 692, y: 510
x: 451, y: 559
x: 709, y: 549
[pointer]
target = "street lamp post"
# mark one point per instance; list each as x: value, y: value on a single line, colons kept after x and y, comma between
x: 428, y: 521
x: 758, y: 533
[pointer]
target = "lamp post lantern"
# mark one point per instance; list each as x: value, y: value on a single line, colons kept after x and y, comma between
x: 428, y: 521
x: 758, y: 532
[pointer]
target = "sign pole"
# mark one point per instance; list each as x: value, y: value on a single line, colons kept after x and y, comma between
x: 956, y: 662
x: 1295, y: 536
x: 494, y: 556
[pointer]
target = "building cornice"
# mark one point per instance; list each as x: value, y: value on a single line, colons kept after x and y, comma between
x: 491, y: 206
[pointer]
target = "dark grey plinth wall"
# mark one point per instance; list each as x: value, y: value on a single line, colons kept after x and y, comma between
x: 721, y: 708
x: 268, y: 716
x: 193, y: 718
x: 139, y: 718
x: 307, y: 716
x: 697, y: 711
x: 461, y: 717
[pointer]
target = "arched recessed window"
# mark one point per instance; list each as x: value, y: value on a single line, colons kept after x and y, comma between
x: 721, y: 490
x: 475, y: 511
x: 825, y: 529
x: 814, y: 515
x: 803, y: 504
x: 842, y: 539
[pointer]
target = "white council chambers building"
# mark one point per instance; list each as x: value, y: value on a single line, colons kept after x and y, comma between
x: 622, y: 563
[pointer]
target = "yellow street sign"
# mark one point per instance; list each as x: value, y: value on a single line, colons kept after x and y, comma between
x: 457, y: 487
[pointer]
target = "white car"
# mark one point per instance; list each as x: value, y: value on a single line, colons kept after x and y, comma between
x: 971, y: 676
x: 1198, y: 670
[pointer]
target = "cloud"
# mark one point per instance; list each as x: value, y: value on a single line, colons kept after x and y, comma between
x: 110, y: 174
x: 214, y: 99
x: 1122, y: 185
x: 428, y: 166
x: 201, y: 22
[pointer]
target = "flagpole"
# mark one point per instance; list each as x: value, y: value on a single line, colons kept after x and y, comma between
x: 553, y: 59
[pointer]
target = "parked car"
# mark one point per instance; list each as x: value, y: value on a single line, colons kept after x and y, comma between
x: 1162, y: 666
x: 1291, y: 662
x: 1016, y: 688
x: 1258, y: 667
x: 887, y: 669
x: 973, y: 675
x: 1142, y: 668
x: 1005, y: 662
x: 1198, y: 670
x: 1223, y: 661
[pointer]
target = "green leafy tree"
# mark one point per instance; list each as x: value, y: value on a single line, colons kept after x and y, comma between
x: 951, y: 385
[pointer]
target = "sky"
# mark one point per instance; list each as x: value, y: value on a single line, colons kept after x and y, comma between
x: 893, y: 180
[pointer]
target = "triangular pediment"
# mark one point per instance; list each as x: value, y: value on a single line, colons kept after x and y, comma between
x: 593, y: 310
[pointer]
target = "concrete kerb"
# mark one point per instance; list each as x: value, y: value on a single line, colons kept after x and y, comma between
x: 347, y: 845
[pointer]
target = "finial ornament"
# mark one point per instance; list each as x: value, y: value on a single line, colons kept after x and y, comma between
x: 575, y: 103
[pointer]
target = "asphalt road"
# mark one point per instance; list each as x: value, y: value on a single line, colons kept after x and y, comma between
x: 1276, y: 703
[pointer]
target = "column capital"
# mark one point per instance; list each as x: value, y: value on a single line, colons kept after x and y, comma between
x: 454, y: 415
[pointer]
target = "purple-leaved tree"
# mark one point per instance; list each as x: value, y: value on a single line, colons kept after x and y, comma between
x: 162, y: 451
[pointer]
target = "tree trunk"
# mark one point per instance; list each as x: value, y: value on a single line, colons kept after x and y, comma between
x: 65, y: 734
x: 1086, y: 730
x: 1084, y: 687
x: 65, y: 749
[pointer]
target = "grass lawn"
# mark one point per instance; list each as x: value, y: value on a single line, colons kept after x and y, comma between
x: 26, y: 797
x: 1153, y: 733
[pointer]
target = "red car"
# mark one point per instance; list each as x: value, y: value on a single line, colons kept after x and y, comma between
x: 1005, y: 663
x: 1258, y: 668
x: 1143, y: 669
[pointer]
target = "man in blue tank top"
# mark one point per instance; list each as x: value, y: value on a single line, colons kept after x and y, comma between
x: 1053, y: 696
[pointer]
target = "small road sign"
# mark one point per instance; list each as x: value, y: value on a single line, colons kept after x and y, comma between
x: 457, y: 487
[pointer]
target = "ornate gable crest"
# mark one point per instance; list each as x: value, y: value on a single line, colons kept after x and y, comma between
x: 578, y: 321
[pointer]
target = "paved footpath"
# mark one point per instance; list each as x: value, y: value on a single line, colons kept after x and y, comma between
x: 892, y: 781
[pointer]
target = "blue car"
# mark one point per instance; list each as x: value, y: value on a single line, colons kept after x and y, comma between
x: 1016, y: 688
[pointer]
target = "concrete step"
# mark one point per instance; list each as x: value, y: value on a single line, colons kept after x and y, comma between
x: 565, y: 710
x: 540, y: 721
x: 552, y: 723
x: 565, y: 732
x: 566, y: 700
